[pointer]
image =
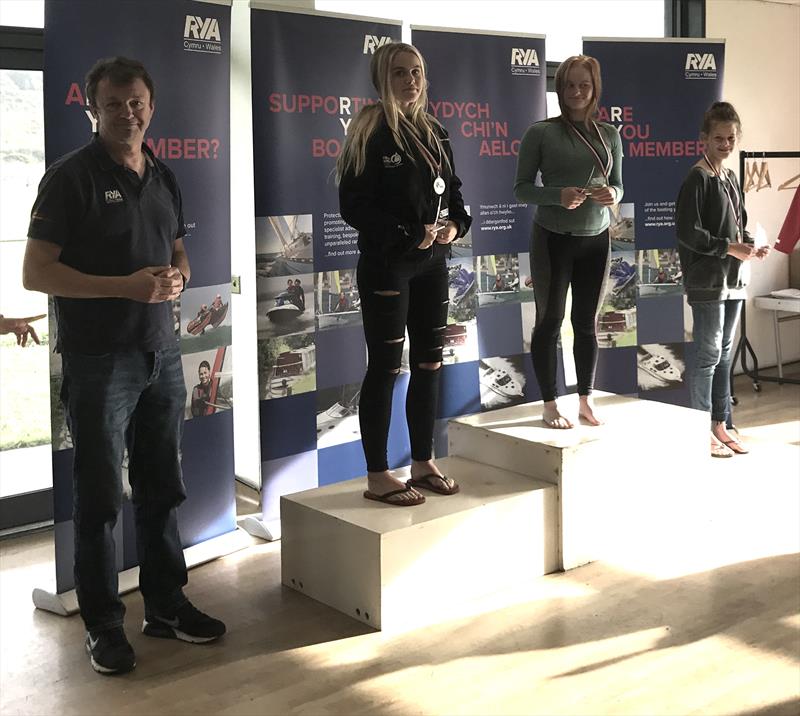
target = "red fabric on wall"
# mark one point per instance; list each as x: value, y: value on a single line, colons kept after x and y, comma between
x: 790, y: 232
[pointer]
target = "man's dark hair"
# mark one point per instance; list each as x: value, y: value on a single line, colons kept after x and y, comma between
x: 204, y: 364
x: 120, y: 71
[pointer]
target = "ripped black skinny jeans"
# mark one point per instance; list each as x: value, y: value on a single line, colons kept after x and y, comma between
x: 393, y: 297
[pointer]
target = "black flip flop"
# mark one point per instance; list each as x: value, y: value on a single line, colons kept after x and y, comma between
x: 426, y: 482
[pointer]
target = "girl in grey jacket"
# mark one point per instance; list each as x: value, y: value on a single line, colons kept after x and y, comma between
x: 714, y: 249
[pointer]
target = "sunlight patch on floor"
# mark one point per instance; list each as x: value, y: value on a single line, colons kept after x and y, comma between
x: 614, y: 675
x: 730, y: 510
x: 787, y: 432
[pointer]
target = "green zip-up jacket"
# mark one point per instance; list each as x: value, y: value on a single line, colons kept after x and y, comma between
x: 551, y: 148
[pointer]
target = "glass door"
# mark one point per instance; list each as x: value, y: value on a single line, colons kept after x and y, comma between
x: 25, y: 452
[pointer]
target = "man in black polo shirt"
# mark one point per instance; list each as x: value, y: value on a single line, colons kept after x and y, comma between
x: 105, y: 239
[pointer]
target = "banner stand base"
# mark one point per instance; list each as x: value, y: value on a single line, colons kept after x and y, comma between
x: 270, y: 530
x: 65, y: 604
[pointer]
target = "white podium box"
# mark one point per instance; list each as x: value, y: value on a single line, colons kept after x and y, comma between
x: 643, y: 448
x: 400, y: 567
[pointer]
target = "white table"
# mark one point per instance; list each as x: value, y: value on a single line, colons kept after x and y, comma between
x: 789, y: 306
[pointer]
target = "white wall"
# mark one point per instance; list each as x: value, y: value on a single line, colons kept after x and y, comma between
x: 762, y: 80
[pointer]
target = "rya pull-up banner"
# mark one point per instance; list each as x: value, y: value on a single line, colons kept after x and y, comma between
x: 310, y: 78
x: 655, y: 92
x: 185, y: 46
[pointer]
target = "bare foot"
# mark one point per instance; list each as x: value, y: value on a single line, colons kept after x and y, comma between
x: 427, y: 468
x: 553, y: 419
x: 379, y: 483
x: 586, y: 411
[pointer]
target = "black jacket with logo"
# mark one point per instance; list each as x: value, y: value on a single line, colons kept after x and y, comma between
x: 706, y: 226
x: 390, y: 202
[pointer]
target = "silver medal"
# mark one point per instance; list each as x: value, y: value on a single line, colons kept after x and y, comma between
x: 438, y: 185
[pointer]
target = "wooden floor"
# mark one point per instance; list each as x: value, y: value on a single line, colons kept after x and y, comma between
x: 707, y: 622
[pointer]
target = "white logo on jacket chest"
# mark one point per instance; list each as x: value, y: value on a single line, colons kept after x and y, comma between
x: 395, y: 160
x: 113, y: 196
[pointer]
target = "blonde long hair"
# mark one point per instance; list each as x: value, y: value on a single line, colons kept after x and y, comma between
x: 417, y: 125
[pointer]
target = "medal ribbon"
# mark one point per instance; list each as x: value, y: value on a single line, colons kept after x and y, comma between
x: 433, y: 162
x: 605, y: 168
x: 429, y: 157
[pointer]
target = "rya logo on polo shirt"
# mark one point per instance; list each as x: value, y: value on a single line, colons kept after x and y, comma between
x: 393, y: 161
x: 113, y: 196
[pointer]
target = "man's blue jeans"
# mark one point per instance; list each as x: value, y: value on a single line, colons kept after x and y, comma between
x: 714, y: 329
x: 134, y: 399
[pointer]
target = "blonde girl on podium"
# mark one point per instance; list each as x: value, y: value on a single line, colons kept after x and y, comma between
x: 398, y: 188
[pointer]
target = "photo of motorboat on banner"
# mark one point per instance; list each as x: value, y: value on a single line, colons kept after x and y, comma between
x: 205, y: 318
x: 622, y: 230
x: 502, y: 381
x: 287, y: 366
x: 498, y: 277
x: 285, y: 305
x: 337, y: 299
x: 209, y: 315
x: 616, y: 323
x: 660, y: 366
x: 659, y: 272
x: 284, y: 245
x: 337, y: 415
x: 209, y: 381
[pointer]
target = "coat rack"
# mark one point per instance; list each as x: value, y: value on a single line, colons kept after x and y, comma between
x: 743, y: 348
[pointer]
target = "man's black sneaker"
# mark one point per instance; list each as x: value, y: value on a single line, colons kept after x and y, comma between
x: 188, y: 623
x: 110, y: 652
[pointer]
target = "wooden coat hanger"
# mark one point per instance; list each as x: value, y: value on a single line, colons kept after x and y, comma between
x: 788, y: 183
x: 750, y: 172
x: 763, y: 177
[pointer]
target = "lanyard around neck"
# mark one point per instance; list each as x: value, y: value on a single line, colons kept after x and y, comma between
x: 434, y: 163
x: 438, y: 184
x: 732, y: 196
x: 604, y: 167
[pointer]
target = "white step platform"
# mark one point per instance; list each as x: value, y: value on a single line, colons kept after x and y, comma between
x: 401, y: 567
x: 643, y: 449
